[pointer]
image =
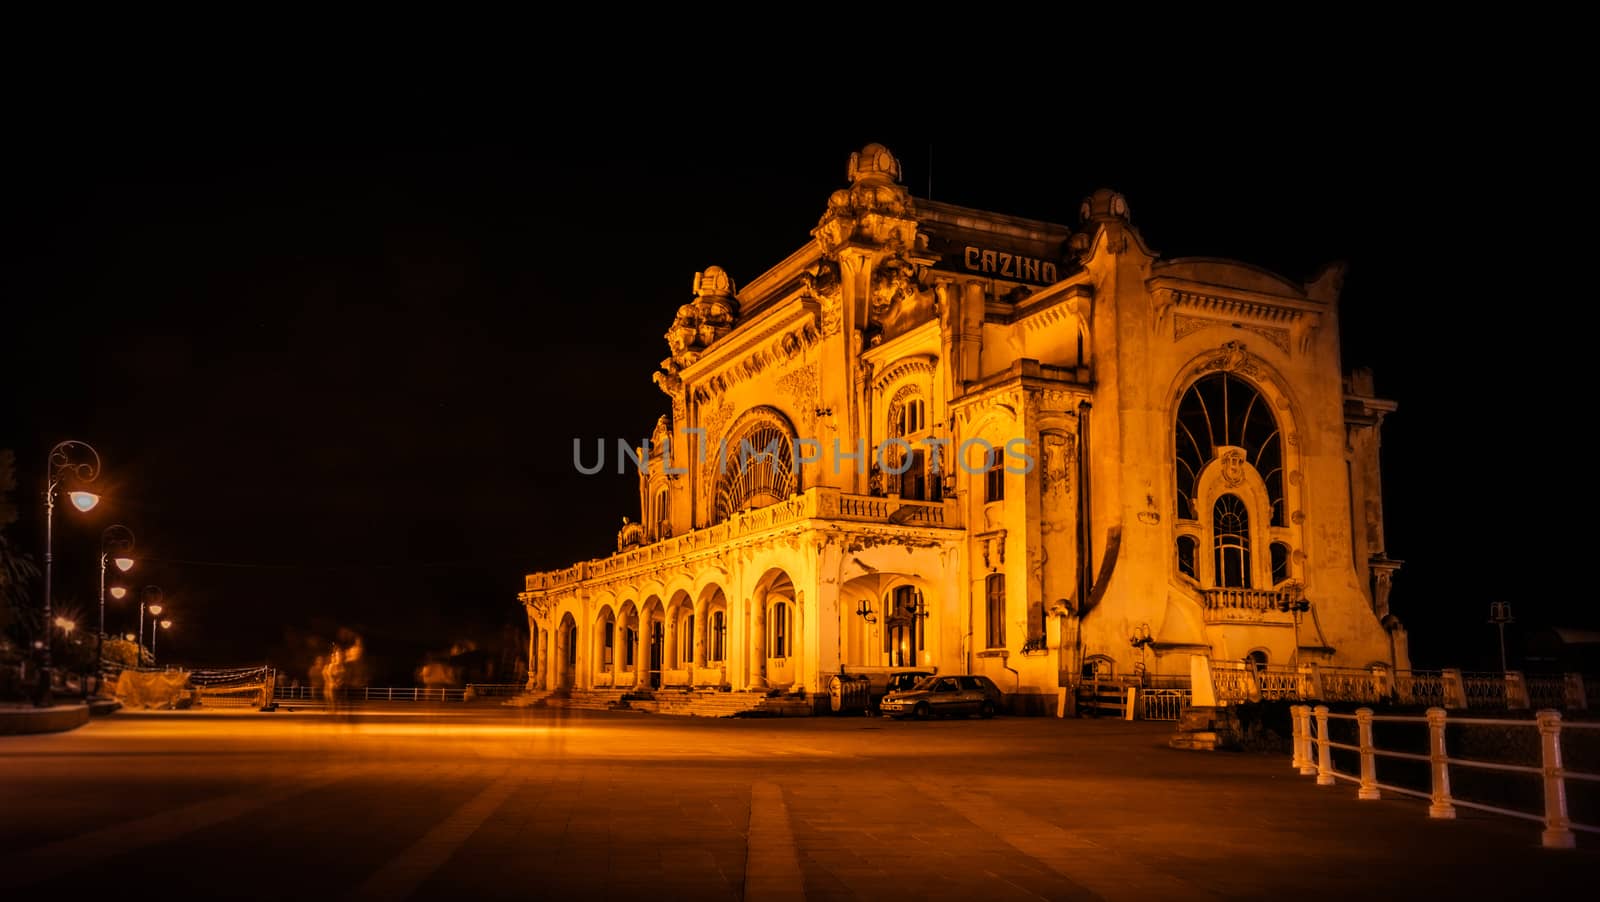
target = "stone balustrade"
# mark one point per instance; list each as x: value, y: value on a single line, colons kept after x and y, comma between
x: 816, y: 503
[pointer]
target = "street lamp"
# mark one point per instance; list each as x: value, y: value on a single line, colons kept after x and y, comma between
x: 1141, y: 639
x: 80, y: 462
x: 149, y: 598
x: 166, y: 625
x: 1292, y: 600
x: 116, y: 543
x: 1500, y: 615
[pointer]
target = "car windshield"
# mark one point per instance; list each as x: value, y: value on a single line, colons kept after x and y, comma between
x: 925, y: 684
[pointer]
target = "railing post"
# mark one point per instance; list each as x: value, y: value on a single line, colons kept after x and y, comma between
x: 1440, y: 805
x: 1300, y: 716
x: 1516, y: 691
x: 1369, y: 764
x: 1324, y: 753
x: 1455, y: 694
x: 1573, y: 692
x: 1557, y: 829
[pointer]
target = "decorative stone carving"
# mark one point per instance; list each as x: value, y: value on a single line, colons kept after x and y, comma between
x: 876, y: 208
x: 698, y: 324
x: 894, y: 280
x: 1058, y: 456
x: 801, y: 387
x: 1232, y: 466
x: 823, y: 284
x: 1232, y: 357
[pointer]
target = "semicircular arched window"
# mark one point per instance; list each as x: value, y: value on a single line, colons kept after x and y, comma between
x: 757, y: 463
x: 1223, y: 410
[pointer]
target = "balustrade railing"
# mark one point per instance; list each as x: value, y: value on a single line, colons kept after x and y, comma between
x: 1484, y: 690
x: 1419, y: 687
x: 1311, y: 729
x: 1248, y: 605
x: 820, y: 502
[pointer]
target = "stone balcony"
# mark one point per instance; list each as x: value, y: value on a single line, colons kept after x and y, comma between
x: 1247, y: 605
x: 816, y: 503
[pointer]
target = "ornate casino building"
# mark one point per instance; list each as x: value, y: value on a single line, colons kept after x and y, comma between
x: 955, y: 439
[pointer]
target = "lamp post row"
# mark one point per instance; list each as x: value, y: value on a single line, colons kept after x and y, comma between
x: 79, y: 462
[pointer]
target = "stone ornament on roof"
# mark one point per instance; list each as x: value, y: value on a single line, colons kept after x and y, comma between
x: 698, y: 325
x: 876, y: 208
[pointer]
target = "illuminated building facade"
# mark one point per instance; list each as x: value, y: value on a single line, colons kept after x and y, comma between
x: 944, y: 437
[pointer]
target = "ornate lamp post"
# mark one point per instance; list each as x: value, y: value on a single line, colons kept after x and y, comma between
x: 1141, y: 640
x: 1293, y: 601
x: 149, y: 598
x: 116, y: 544
x: 81, y: 463
x: 164, y: 624
x: 1500, y: 615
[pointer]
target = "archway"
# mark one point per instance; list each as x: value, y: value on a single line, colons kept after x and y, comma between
x: 653, y: 641
x: 774, y: 631
x: 567, y: 653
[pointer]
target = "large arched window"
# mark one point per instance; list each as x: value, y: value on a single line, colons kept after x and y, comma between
x: 757, y: 463
x: 1223, y: 410
x: 1230, y: 527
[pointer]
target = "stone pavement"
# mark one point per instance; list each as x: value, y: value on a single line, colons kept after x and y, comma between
x: 402, y: 802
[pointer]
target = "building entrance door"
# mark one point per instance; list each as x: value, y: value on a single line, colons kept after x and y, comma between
x: 657, y: 651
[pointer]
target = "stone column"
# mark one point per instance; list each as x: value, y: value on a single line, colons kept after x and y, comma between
x: 756, y: 609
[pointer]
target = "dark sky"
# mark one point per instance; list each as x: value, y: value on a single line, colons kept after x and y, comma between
x: 334, y: 353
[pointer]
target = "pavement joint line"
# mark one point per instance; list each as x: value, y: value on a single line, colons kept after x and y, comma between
x: 53, y: 859
x: 1100, y: 872
x: 400, y: 878
x: 772, y: 863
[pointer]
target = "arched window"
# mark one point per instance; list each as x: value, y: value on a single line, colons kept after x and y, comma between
x: 1223, y: 410
x: 1187, y: 549
x: 686, y: 630
x: 1230, y: 525
x: 659, y: 514
x: 630, y: 638
x: 780, y: 630
x: 717, y: 631
x: 757, y: 463
x: 1280, y: 561
x: 1098, y: 667
x: 1256, y: 660
x: 995, y: 604
x: 608, y: 642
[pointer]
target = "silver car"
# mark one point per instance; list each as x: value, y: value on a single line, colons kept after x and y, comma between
x: 958, y: 695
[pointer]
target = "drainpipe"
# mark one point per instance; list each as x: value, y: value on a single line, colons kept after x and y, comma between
x: 1005, y: 661
x: 1085, y: 536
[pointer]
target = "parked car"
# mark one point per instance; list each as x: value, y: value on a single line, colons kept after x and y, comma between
x: 953, y: 695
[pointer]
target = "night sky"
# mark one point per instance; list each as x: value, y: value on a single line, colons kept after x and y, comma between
x: 334, y: 358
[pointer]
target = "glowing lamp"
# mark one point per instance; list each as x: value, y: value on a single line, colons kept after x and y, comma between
x: 84, y: 501
x: 155, y: 609
x: 124, y: 564
x: 118, y: 592
x: 166, y: 624
x: 128, y: 636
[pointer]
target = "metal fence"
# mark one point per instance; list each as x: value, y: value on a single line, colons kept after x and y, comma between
x: 1311, y: 727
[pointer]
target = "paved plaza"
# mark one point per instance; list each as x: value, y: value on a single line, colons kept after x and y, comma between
x: 397, y: 802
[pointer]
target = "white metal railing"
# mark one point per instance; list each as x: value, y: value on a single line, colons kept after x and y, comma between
x: 1311, y: 726
x: 1163, y: 704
